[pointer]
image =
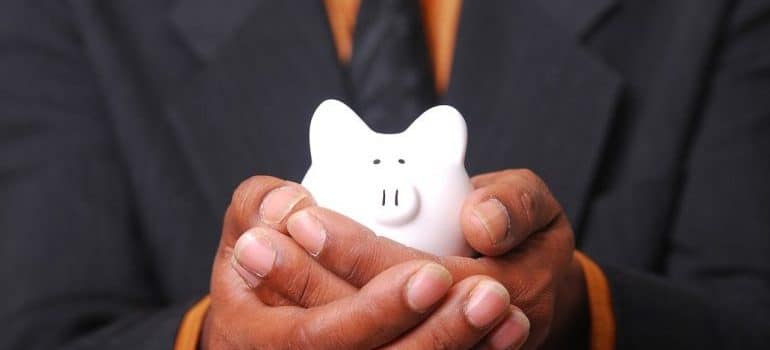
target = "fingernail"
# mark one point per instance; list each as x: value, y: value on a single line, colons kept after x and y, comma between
x: 511, y: 333
x: 486, y: 303
x: 493, y: 216
x: 255, y: 254
x: 427, y: 286
x: 279, y: 203
x: 249, y: 278
x: 307, y: 231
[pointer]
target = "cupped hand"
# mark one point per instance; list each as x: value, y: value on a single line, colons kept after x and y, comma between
x: 511, y: 218
x: 263, y: 294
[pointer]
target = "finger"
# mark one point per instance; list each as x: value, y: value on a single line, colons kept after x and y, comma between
x: 345, y: 247
x: 226, y: 281
x: 242, y: 213
x: 230, y: 281
x: 511, y: 333
x: 505, y: 209
x: 281, y: 202
x: 502, y: 176
x: 272, y: 260
x: 236, y: 308
x: 355, y: 254
x: 533, y: 274
x: 263, y: 201
x: 392, y: 303
x: 266, y: 295
x: 492, y: 177
x: 474, y: 306
x: 542, y: 251
x: 270, y: 297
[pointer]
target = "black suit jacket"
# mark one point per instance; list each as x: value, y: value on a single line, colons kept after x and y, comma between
x: 125, y: 125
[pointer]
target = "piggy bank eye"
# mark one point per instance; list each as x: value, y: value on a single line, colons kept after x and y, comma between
x: 376, y: 161
x: 401, y: 161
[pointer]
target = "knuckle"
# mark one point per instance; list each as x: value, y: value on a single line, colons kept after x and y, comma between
x: 358, y: 264
x: 508, y: 173
x: 246, y: 187
x: 241, y: 195
x: 364, y: 257
x: 528, y: 175
x: 241, y: 203
x: 532, y: 180
x: 521, y: 204
x: 531, y: 195
x: 270, y: 297
x: 528, y: 207
x: 305, y: 295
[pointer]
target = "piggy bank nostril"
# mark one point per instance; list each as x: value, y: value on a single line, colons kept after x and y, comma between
x: 398, y: 204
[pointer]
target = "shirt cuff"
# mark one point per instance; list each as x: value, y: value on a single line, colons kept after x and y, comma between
x: 602, y: 330
x: 190, y: 329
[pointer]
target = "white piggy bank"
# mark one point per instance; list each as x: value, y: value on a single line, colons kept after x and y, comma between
x: 408, y: 187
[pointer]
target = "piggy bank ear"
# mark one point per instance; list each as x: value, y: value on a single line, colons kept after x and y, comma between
x: 334, y: 129
x: 441, y: 133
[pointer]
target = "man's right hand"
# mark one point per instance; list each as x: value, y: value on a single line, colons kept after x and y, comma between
x: 411, y: 305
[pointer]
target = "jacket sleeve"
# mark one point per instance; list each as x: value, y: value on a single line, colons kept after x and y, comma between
x: 71, y: 259
x: 715, y: 288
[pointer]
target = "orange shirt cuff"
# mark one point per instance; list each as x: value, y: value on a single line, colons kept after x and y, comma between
x: 602, y: 330
x: 189, y: 331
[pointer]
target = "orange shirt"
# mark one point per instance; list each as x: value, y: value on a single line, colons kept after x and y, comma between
x: 440, y: 20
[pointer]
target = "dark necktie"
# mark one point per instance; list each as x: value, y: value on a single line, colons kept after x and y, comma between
x: 390, y: 77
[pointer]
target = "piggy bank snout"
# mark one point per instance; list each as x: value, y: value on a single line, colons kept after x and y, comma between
x: 394, y: 203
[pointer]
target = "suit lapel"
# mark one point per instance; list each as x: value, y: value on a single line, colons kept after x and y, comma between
x: 206, y: 24
x: 532, y: 95
x: 266, y: 65
x: 578, y: 16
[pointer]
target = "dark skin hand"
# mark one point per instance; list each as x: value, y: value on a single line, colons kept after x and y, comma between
x: 268, y: 292
x: 511, y: 218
